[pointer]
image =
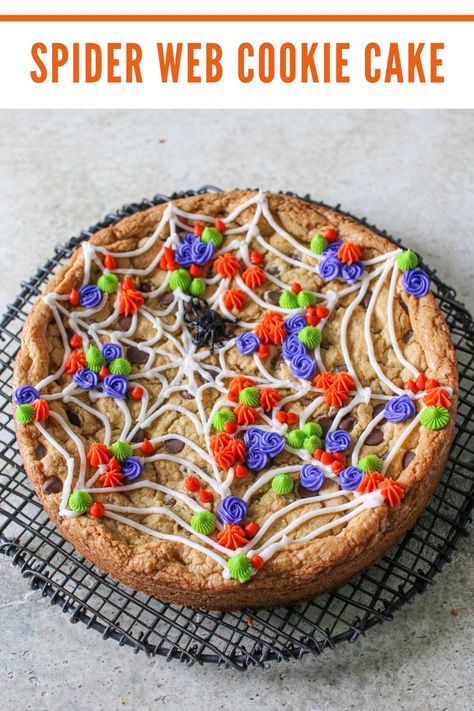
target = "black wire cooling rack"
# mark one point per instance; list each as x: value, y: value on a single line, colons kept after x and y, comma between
x: 231, y: 639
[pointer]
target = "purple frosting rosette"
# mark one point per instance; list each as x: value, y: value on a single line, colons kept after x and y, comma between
x: 131, y: 468
x: 350, y: 478
x: 352, y: 272
x: 337, y: 441
x: 115, y: 386
x: 295, y: 323
x: 292, y: 347
x: 256, y: 459
x: 247, y: 343
x: 330, y: 268
x: 332, y: 248
x: 201, y: 252
x: 183, y: 254
x: 25, y: 395
x: 232, y: 510
x: 271, y: 443
x: 302, y: 366
x: 399, y: 409
x: 252, y: 436
x: 311, y: 477
x: 90, y: 296
x: 416, y: 282
x: 86, y: 379
x: 110, y: 351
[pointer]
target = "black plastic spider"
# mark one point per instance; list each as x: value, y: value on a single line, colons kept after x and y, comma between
x: 209, y: 326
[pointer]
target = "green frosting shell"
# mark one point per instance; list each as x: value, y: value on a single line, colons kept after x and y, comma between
x: 306, y: 298
x: 180, y: 279
x: 296, y: 438
x: 94, y: 359
x: 221, y: 417
x: 282, y: 484
x: 370, y: 463
x: 249, y: 397
x: 210, y: 234
x: 121, y: 450
x: 79, y: 501
x: 198, y: 287
x: 318, y: 244
x: 407, y: 260
x: 108, y: 283
x: 434, y: 418
x: 310, y: 336
x: 239, y: 567
x: 288, y: 300
x: 311, y: 444
x: 203, y: 522
x: 120, y: 366
x: 24, y: 414
x: 313, y: 428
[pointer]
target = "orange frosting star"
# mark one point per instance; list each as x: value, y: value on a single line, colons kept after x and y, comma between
x: 323, y: 380
x: 246, y: 415
x: 254, y: 277
x: 75, y: 362
x: 219, y: 442
x: 392, y: 491
x: 238, y: 383
x: 277, y: 333
x: 335, y: 396
x: 344, y: 381
x: 348, y: 253
x: 232, y: 537
x: 41, y: 409
x: 130, y: 299
x: 225, y: 458
x: 111, y: 478
x: 264, y: 333
x: 227, y: 265
x: 370, y: 482
x: 238, y: 449
x: 98, y: 454
x: 272, y: 318
x: 437, y: 397
x: 234, y: 299
x: 269, y: 398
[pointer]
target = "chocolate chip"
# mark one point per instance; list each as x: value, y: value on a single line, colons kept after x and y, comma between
x: 52, y: 485
x: 377, y: 410
x: 135, y: 355
x: 324, y: 345
x: 325, y: 423
x: 295, y: 256
x: 169, y: 501
x: 124, y: 323
x: 273, y: 270
x: 305, y: 493
x: 403, y: 305
x: 73, y: 418
x: 139, y: 435
x: 174, y: 445
x: 40, y: 451
x: 347, y: 423
x: 407, y: 336
x: 366, y: 300
x: 408, y: 457
x: 187, y: 395
x: 167, y: 298
x: 272, y: 297
x: 146, y: 287
x: 374, y: 438
x: 276, y: 361
x: 384, y: 455
x: 212, y: 372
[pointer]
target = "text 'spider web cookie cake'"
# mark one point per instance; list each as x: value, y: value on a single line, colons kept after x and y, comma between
x: 235, y: 399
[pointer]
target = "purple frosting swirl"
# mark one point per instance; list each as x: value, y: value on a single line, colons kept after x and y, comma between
x: 350, y: 478
x: 337, y: 441
x: 416, y: 282
x: 332, y: 248
x: 399, y: 409
x: 247, y: 343
x: 302, y: 366
x: 115, y: 386
x: 311, y: 477
x: 352, y: 272
x: 232, y: 509
x: 25, y: 395
x: 330, y: 268
x: 201, y: 252
x: 86, y: 379
x: 90, y: 296
x: 295, y: 323
x: 252, y: 436
x: 131, y: 468
x: 256, y: 459
x: 271, y: 443
x: 184, y: 250
x: 111, y: 351
x: 292, y: 347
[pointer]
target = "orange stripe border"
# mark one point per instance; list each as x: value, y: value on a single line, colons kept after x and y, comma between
x: 236, y: 18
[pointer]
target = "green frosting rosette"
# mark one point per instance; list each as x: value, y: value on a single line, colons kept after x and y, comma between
x: 94, y: 359
x: 310, y: 337
x: 24, y: 413
x: 407, y: 260
x: 79, y: 501
x: 288, y: 300
x: 305, y: 298
x: 239, y: 567
x: 210, y: 234
x: 312, y: 443
x: 221, y: 417
x: 313, y: 428
x: 120, y: 366
x: 318, y: 244
x: 121, y: 450
x: 370, y: 463
x: 107, y: 283
x: 203, y: 522
x: 434, y: 418
x: 296, y: 439
x: 282, y: 484
x: 249, y: 397
x: 180, y: 279
x: 197, y: 287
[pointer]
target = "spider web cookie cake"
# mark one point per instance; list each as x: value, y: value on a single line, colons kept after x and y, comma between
x: 235, y: 399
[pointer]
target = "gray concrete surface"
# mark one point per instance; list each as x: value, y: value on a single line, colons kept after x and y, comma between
x: 410, y: 172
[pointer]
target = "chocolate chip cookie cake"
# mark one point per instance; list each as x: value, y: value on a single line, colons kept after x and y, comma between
x: 235, y: 399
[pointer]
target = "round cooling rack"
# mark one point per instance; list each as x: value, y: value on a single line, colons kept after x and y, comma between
x: 231, y: 639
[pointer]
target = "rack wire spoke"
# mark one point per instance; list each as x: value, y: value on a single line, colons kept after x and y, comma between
x: 244, y: 638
